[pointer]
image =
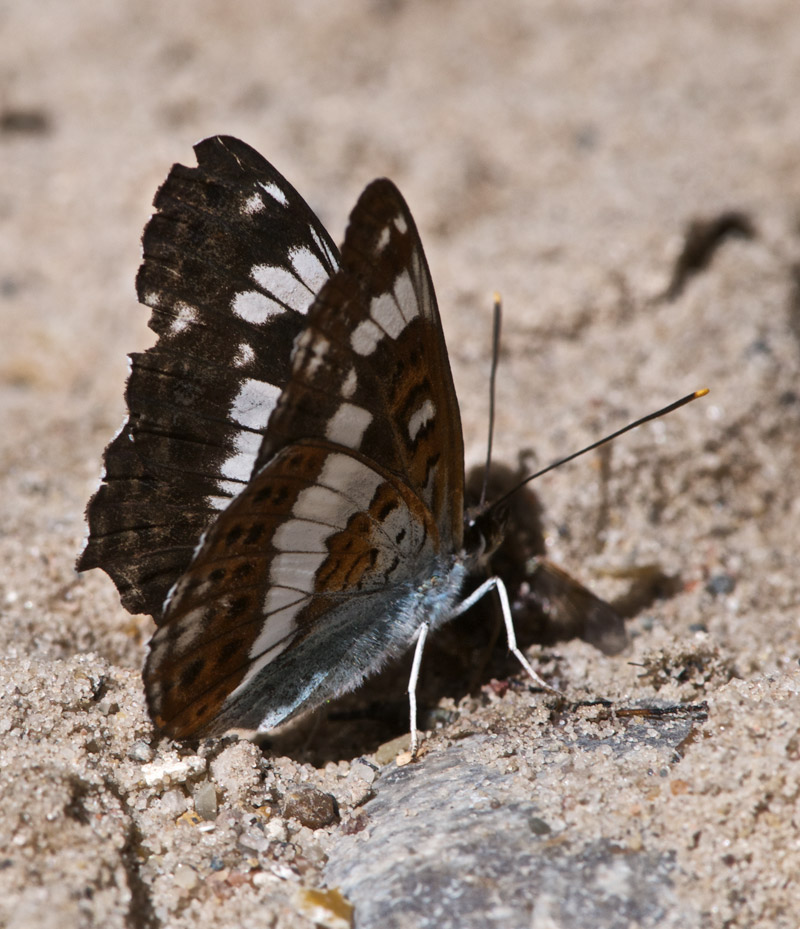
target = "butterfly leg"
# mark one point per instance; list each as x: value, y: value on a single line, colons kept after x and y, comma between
x: 496, y: 583
x: 412, y: 686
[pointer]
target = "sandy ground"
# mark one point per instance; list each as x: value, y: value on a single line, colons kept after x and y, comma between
x: 557, y: 152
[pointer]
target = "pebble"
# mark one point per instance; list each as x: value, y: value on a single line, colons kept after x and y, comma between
x: 205, y: 800
x: 311, y: 807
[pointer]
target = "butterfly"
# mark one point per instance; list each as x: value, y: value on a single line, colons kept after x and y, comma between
x: 286, y: 495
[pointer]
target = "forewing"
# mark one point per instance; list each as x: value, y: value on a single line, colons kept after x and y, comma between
x: 371, y: 371
x: 233, y: 258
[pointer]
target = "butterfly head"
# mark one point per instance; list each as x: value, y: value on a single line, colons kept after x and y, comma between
x: 499, y: 521
x: 484, y: 531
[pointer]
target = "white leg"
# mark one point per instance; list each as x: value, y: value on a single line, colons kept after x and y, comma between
x: 497, y: 584
x: 412, y: 685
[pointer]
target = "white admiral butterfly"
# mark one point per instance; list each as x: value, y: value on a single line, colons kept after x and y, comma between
x: 286, y: 497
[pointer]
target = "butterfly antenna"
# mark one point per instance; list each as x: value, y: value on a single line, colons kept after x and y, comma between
x: 639, y: 422
x: 497, y: 318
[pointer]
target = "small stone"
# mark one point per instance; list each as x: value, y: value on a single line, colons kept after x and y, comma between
x: 205, y: 800
x: 389, y: 750
x: 277, y: 831
x: 108, y: 706
x: 189, y: 818
x: 539, y: 826
x: 311, y: 807
x: 140, y: 751
x: 720, y: 584
x: 363, y: 769
x: 328, y: 908
x: 359, y: 783
x: 237, y: 769
x: 185, y: 877
x: 238, y: 878
x: 172, y: 771
x: 254, y: 840
x: 173, y: 801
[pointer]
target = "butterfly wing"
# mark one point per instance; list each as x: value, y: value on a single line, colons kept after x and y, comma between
x: 233, y: 258
x: 344, y: 540
x: 371, y: 368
